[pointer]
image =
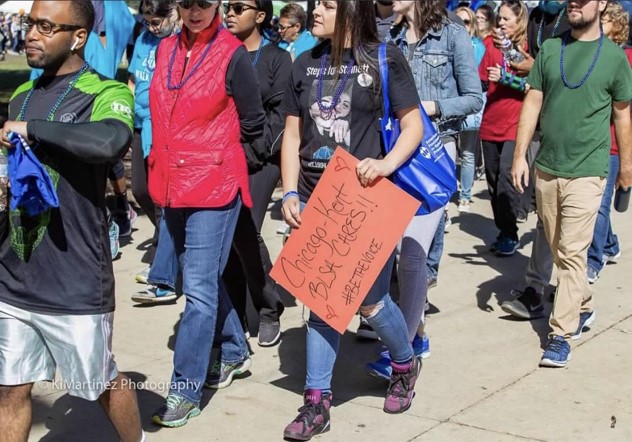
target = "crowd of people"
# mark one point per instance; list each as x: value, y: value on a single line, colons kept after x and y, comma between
x: 12, y: 33
x: 224, y: 102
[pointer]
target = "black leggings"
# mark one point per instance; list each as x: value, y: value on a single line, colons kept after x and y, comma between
x: 249, y: 262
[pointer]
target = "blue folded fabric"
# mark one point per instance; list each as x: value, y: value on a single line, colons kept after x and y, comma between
x: 31, y: 187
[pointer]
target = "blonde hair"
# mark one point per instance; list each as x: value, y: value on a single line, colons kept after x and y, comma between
x: 620, y: 22
x: 522, y: 18
x: 474, y: 32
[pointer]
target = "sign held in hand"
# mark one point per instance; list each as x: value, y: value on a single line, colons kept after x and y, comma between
x: 347, y: 235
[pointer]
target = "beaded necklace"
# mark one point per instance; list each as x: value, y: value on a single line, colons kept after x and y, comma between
x: 194, y: 69
x: 590, y: 69
x: 555, y: 26
x: 256, y: 59
x: 61, y: 98
x: 327, y: 112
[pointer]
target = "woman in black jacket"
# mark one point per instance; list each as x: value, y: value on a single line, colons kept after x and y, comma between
x: 249, y: 262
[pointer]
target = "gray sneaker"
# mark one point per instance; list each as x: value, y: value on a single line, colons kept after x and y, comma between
x: 526, y: 305
x: 221, y: 375
x: 269, y: 333
x: 155, y: 295
x: 175, y: 412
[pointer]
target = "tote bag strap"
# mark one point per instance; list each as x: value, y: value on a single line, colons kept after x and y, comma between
x: 384, y: 78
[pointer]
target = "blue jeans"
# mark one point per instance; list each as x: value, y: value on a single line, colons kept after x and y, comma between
x: 469, y: 144
x: 202, y: 240
x: 323, y: 341
x: 164, y: 268
x: 604, y: 241
x: 436, y: 248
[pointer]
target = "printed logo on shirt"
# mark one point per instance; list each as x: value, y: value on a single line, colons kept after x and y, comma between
x: 148, y: 66
x: 70, y: 117
x: 122, y: 108
x: 332, y: 121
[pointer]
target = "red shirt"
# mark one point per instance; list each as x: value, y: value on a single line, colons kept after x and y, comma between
x: 502, y: 111
x: 614, y: 150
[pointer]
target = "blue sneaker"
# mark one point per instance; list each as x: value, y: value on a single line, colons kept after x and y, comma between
x: 421, y: 346
x: 557, y: 353
x: 155, y: 295
x: 382, y: 369
x: 507, y: 247
x: 585, y: 320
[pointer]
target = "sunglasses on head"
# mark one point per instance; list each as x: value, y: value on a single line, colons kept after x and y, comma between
x: 238, y: 8
x: 202, y: 4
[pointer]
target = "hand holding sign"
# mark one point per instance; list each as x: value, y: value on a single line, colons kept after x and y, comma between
x: 347, y: 234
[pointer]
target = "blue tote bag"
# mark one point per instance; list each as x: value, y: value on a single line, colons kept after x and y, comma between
x: 429, y: 175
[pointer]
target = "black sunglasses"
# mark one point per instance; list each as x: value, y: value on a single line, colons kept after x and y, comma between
x: 203, y: 4
x: 467, y: 22
x: 238, y: 8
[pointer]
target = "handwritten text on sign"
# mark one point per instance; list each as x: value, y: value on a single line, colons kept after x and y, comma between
x: 347, y: 235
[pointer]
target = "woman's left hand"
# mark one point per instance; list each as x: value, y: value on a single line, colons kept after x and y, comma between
x: 369, y: 169
x: 493, y: 73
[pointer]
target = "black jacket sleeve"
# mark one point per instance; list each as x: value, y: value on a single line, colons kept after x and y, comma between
x: 282, y: 66
x: 242, y: 85
x: 93, y: 143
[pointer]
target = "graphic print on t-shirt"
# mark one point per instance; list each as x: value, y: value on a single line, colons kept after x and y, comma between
x: 332, y: 127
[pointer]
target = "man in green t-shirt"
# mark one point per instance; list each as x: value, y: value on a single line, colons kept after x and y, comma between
x: 56, y: 275
x: 580, y: 81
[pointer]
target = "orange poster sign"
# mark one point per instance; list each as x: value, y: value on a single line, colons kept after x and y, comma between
x: 347, y: 234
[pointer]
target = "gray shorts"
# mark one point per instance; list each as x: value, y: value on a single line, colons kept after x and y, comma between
x: 34, y: 345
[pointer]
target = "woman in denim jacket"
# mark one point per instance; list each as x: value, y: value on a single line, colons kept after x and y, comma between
x: 441, y: 57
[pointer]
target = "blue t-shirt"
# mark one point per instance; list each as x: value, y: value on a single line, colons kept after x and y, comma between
x: 305, y: 42
x: 142, y: 69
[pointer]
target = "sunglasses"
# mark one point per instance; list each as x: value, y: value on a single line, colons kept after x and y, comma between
x: 202, y: 4
x: 238, y: 8
x: 467, y: 22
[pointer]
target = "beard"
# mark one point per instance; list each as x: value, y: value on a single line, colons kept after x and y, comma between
x: 581, y: 23
x: 45, y: 61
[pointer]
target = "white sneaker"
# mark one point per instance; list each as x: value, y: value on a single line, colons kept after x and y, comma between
x: 448, y: 222
x: 282, y: 228
x: 612, y: 258
x: 141, y: 277
x: 464, y: 206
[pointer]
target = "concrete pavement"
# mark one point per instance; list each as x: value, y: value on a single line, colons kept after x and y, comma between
x: 482, y: 382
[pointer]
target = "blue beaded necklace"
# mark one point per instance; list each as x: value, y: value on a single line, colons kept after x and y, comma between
x: 327, y: 112
x: 61, y: 98
x: 256, y: 59
x: 590, y: 69
x: 555, y: 26
x: 194, y: 69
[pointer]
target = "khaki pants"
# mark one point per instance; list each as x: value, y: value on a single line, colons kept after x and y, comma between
x: 568, y: 208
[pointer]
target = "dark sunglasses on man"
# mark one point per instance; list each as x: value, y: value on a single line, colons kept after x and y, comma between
x: 238, y: 8
x: 202, y: 4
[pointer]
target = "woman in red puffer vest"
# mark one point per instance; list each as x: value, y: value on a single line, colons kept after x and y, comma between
x: 206, y: 111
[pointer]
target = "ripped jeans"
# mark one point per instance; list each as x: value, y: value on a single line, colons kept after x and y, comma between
x: 387, y: 321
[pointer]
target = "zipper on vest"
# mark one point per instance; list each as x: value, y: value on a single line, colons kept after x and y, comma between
x: 175, y: 100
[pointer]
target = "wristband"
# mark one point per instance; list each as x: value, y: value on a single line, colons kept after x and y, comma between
x: 289, y: 195
x: 511, y: 80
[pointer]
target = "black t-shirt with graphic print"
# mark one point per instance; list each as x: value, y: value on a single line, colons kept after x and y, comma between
x: 353, y: 123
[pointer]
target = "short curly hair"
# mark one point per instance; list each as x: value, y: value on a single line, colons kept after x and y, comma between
x: 620, y: 19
